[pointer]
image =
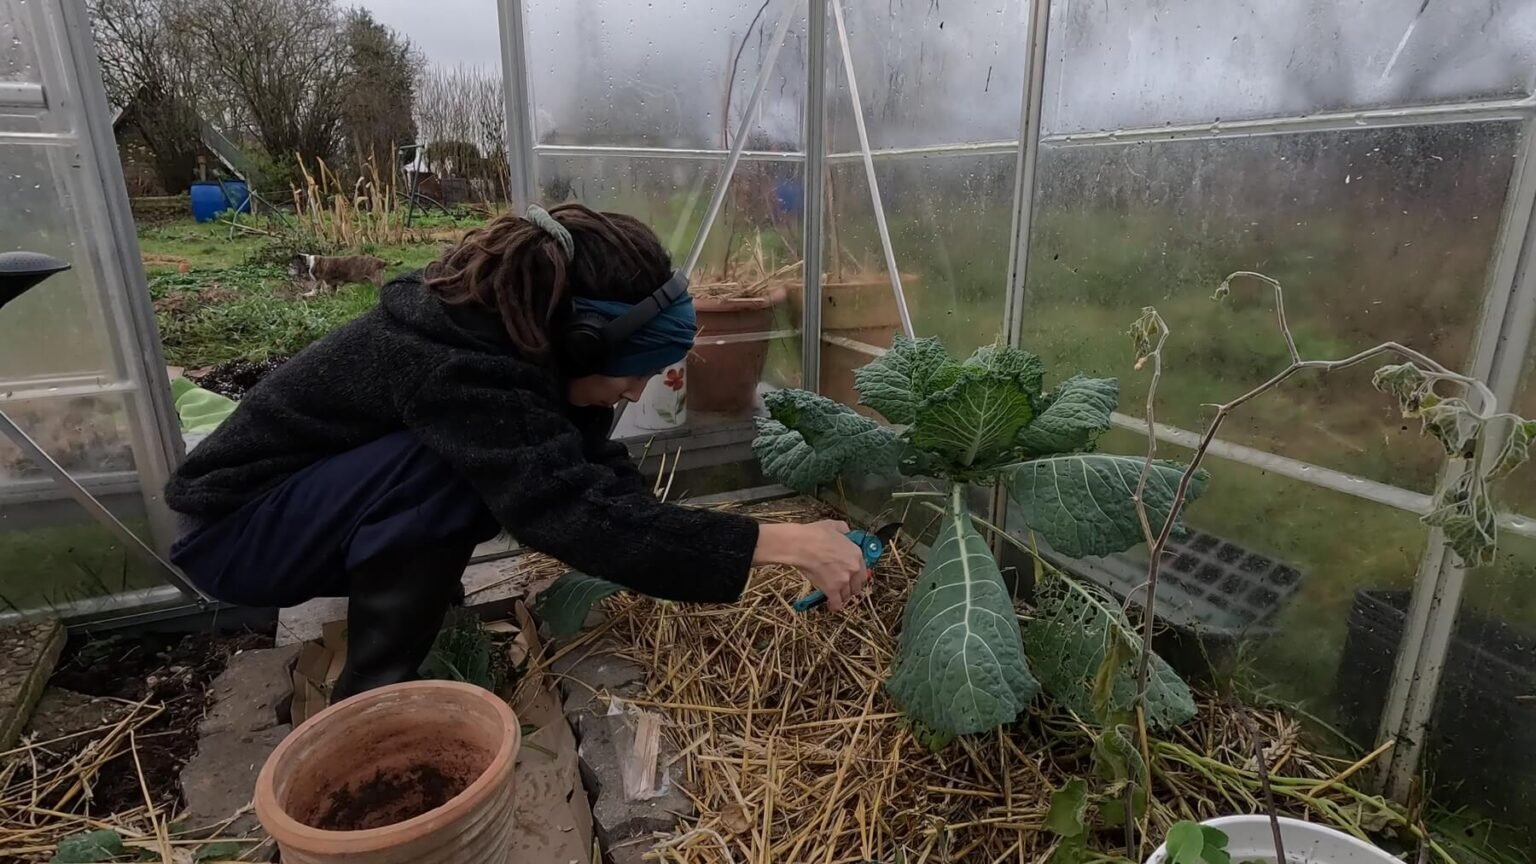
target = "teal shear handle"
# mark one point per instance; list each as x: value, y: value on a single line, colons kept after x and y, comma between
x: 872, y: 543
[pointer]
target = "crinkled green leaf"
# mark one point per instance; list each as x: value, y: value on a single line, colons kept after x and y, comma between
x: 960, y: 665
x: 899, y: 380
x: 1078, y: 412
x: 1516, y: 450
x: 461, y: 652
x: 1069, y: 809
x: 1185, y: 844
x: 1082, y: 503
x: 1115, y: 757
x: 808, y: 440
x: 1112, y: 809
x: 1085, y: 653
x: 89, y: 848
x: 1404, y: 382
x: 977, y: 419
x: 1453, y: 424
x: 1464, y: 511
x: 564, y: 605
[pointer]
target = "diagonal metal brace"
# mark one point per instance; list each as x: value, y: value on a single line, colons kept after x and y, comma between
x: 85, y: 499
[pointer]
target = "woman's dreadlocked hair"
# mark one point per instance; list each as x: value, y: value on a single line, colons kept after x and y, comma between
x: 518, y: 269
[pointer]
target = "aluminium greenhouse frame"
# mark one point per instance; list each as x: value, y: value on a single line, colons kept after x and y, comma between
x: 1503, y: 337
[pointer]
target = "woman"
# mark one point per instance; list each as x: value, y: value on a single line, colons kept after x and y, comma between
x: 478, y: 396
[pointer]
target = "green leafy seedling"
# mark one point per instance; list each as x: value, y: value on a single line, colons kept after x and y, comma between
x: 1193, y: 843
x: 90, y: 847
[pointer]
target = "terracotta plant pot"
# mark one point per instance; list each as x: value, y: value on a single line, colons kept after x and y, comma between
x: 863, y: 309
x: 722, y: 379
x: 418, y: 772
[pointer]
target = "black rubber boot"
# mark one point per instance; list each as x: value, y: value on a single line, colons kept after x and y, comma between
x: 394, y: 612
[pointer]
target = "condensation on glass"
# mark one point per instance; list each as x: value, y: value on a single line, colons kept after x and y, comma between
x: 1120, y: 64
x: 1376, y: 234
x: 621, y: 73
x: 929, y: 74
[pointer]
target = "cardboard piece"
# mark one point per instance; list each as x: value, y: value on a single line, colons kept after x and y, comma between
x: 553, y: 816
x: 315, y: 673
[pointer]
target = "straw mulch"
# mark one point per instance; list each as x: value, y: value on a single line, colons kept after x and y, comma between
x: 792, y: 751
x: 47, y: 789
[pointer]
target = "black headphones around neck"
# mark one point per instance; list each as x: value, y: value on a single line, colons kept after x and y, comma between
x: 588, y: 340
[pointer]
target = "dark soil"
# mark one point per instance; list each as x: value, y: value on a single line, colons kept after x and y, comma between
x: 234, y: 378
x: 388, y: 798
x: 174, y: 671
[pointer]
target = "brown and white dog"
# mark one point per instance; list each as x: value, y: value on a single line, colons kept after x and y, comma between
x: 319, y: 272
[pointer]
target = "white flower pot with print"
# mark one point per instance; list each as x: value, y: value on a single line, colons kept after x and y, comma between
x: 1250, y: 838
x: 663, y: 404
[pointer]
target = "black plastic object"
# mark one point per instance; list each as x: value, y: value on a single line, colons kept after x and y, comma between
x: 1482, y: 738
x: 22, y: 270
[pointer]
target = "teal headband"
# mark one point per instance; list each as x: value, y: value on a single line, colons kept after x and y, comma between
x: 664, y: 340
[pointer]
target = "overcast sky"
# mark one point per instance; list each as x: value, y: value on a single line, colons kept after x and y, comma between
x: 447, y: 31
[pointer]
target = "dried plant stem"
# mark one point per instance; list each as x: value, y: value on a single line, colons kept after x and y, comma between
x: 1154, y: 330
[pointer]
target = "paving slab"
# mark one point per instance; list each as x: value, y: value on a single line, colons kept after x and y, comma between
x: 250, y: 690
x: 29, y: 651
x: 220, y: 781
x: 596, y: 685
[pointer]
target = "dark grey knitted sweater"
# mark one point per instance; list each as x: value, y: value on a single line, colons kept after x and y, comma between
x: 448, y: 373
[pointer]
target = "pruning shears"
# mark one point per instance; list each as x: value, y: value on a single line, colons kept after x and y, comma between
x: 872, y: 543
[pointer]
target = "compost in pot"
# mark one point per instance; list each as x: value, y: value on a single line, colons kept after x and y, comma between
x: 391, y: 796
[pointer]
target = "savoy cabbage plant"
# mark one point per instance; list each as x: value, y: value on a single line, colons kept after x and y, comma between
x: 963, y: 665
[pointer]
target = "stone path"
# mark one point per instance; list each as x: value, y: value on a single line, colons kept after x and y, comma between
x: 28, y: 654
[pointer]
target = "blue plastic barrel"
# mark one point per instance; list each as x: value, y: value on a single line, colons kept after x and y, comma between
x: 210, y: 198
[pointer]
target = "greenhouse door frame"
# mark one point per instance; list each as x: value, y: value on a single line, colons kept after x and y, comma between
x: 76, y: 123
x: 1504, y: 334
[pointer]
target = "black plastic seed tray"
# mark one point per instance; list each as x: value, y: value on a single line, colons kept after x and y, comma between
x: 1207, y: 582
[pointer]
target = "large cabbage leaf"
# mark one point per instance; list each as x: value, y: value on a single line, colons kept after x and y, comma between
x: 899, y: 380
x: 808, y: 440
x: 960, y: 665
x: 1085, y: 652
x: 1077, y: 412
x: 977, y: 419
x: 1082, y: 503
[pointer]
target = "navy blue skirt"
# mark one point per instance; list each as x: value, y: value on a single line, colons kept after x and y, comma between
x: 302, y: 539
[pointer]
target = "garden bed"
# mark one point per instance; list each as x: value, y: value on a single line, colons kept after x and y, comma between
x: 107, y: 745
x: 790, y: 746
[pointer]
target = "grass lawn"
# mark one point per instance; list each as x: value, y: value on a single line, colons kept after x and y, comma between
x: 221, y: 298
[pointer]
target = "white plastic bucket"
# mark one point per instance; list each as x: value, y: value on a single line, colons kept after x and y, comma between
x: 1249, y: 838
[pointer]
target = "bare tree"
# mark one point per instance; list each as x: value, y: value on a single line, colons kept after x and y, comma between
x: 378, y: 108
x: 461, y: 116
x: 282, y: 63
x: 148, y: 73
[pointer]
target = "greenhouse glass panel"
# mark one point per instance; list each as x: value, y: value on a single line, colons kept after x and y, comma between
x: 1482, y: 741
x: 1261, y: 591
x: 51, y: 552
x: 949, y: 219
x: 1376, y: 234
x: 57, y: 329
x: 619, y: 73
x: 18, y: 62
x: 1206, y: 61
x: 929, y: 73
x: 745, y: 343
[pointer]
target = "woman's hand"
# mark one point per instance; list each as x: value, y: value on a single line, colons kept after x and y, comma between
x: 820, y: 550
